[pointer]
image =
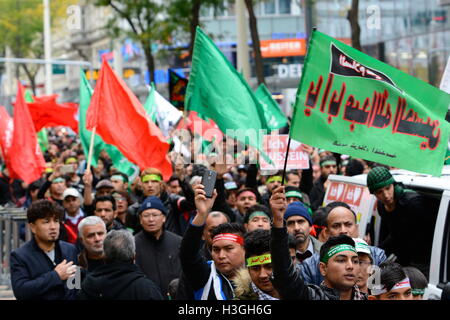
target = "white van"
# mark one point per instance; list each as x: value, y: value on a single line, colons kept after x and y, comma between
x: 353, y: 190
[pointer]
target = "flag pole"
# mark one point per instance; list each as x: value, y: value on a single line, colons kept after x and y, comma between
x: 285, y: 160
x: 91, y: 148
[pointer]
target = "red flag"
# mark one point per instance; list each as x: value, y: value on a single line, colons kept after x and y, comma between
x: 120, y: 119
x: 26, y: 159
x: 6, y: 134
x: 207, y: 129
x: 46, y: 112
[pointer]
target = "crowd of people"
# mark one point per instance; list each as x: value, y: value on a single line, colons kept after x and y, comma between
x: 257, y: 238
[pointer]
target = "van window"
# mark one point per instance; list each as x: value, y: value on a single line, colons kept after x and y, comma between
x: 445, y: 256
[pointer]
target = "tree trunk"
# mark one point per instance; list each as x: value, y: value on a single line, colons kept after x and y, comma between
x: 31, y: 77
x: 253, y: 25
x: 149, y: 59
x: 194, y: 23
x: 352, y: 17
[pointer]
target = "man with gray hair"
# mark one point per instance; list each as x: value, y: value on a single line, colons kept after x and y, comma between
x: 92, y: 232
x: 119, y: 278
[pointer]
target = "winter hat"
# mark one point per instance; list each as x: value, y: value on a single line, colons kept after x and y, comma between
x: 152, y: 202
x: 298, y: 209
x: 379, y: 177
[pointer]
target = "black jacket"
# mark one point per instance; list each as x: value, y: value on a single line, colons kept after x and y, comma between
x: 118, y: 281
x: 317, y: 193
x: 413, y: 216
x: 288, y: 280
x: 195, y: 267
x: 159, y: 259
x: 33, y: 275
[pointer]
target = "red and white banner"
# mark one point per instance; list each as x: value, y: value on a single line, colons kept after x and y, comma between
x: 275, y: 147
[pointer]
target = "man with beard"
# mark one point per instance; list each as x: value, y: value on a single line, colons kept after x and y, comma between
x: 299, y: 224
x: 92, y: 231
x: 41, y: 267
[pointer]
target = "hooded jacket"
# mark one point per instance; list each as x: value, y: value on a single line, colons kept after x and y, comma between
x: 118, y: 281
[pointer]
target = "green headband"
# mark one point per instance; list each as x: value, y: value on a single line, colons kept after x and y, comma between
x: 259, y: 260
x: 294, y: 194
x: 57, y: 180
x: 118, y: 177
x: 328, y: 162
x: 335, y: 250
x: 258, y: 214
x: 418, y: 292
x: 152, y: 177
x: 274, y: 179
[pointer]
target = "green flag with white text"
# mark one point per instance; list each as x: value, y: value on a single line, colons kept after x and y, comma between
x: 275, y: 118
x: 350, y: 103
x: 118, y: 160
x: 218, y: 92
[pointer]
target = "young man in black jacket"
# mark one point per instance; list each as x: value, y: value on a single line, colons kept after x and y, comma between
x: 339, y: 264
x: 119, y: 278
x: 40, y: 268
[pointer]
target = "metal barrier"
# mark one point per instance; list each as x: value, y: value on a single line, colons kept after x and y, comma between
x: 11, y: 220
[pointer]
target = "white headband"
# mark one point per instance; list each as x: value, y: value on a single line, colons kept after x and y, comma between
x: 399, y: 285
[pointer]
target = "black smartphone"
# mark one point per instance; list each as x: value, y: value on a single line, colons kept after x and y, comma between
x: 209, y: 181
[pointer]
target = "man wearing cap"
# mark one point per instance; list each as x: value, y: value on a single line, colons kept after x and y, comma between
x: 156, y: 248
x: 341, y: 220
x: 299, y: 224
x: 328, y: 165
x: 339, y: 264
x: 73, y: 213
x: 407, y: 217
x: 365, y: 264
x: 104, y: 188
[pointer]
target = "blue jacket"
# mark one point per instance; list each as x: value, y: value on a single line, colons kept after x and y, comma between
x: 310, y: 267
x: 33, y: 275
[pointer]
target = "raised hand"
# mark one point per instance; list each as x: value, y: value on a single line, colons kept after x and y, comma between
x: 203, y: 204
x: 278, y: 204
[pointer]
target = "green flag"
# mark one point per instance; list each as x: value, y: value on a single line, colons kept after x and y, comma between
x: 218, y: 92
x: 150, y: 104
x: 275, y: 118
x: 351, y: 103
x: 118, y: 160
x: 42, y: 135
x: 85, y: 135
